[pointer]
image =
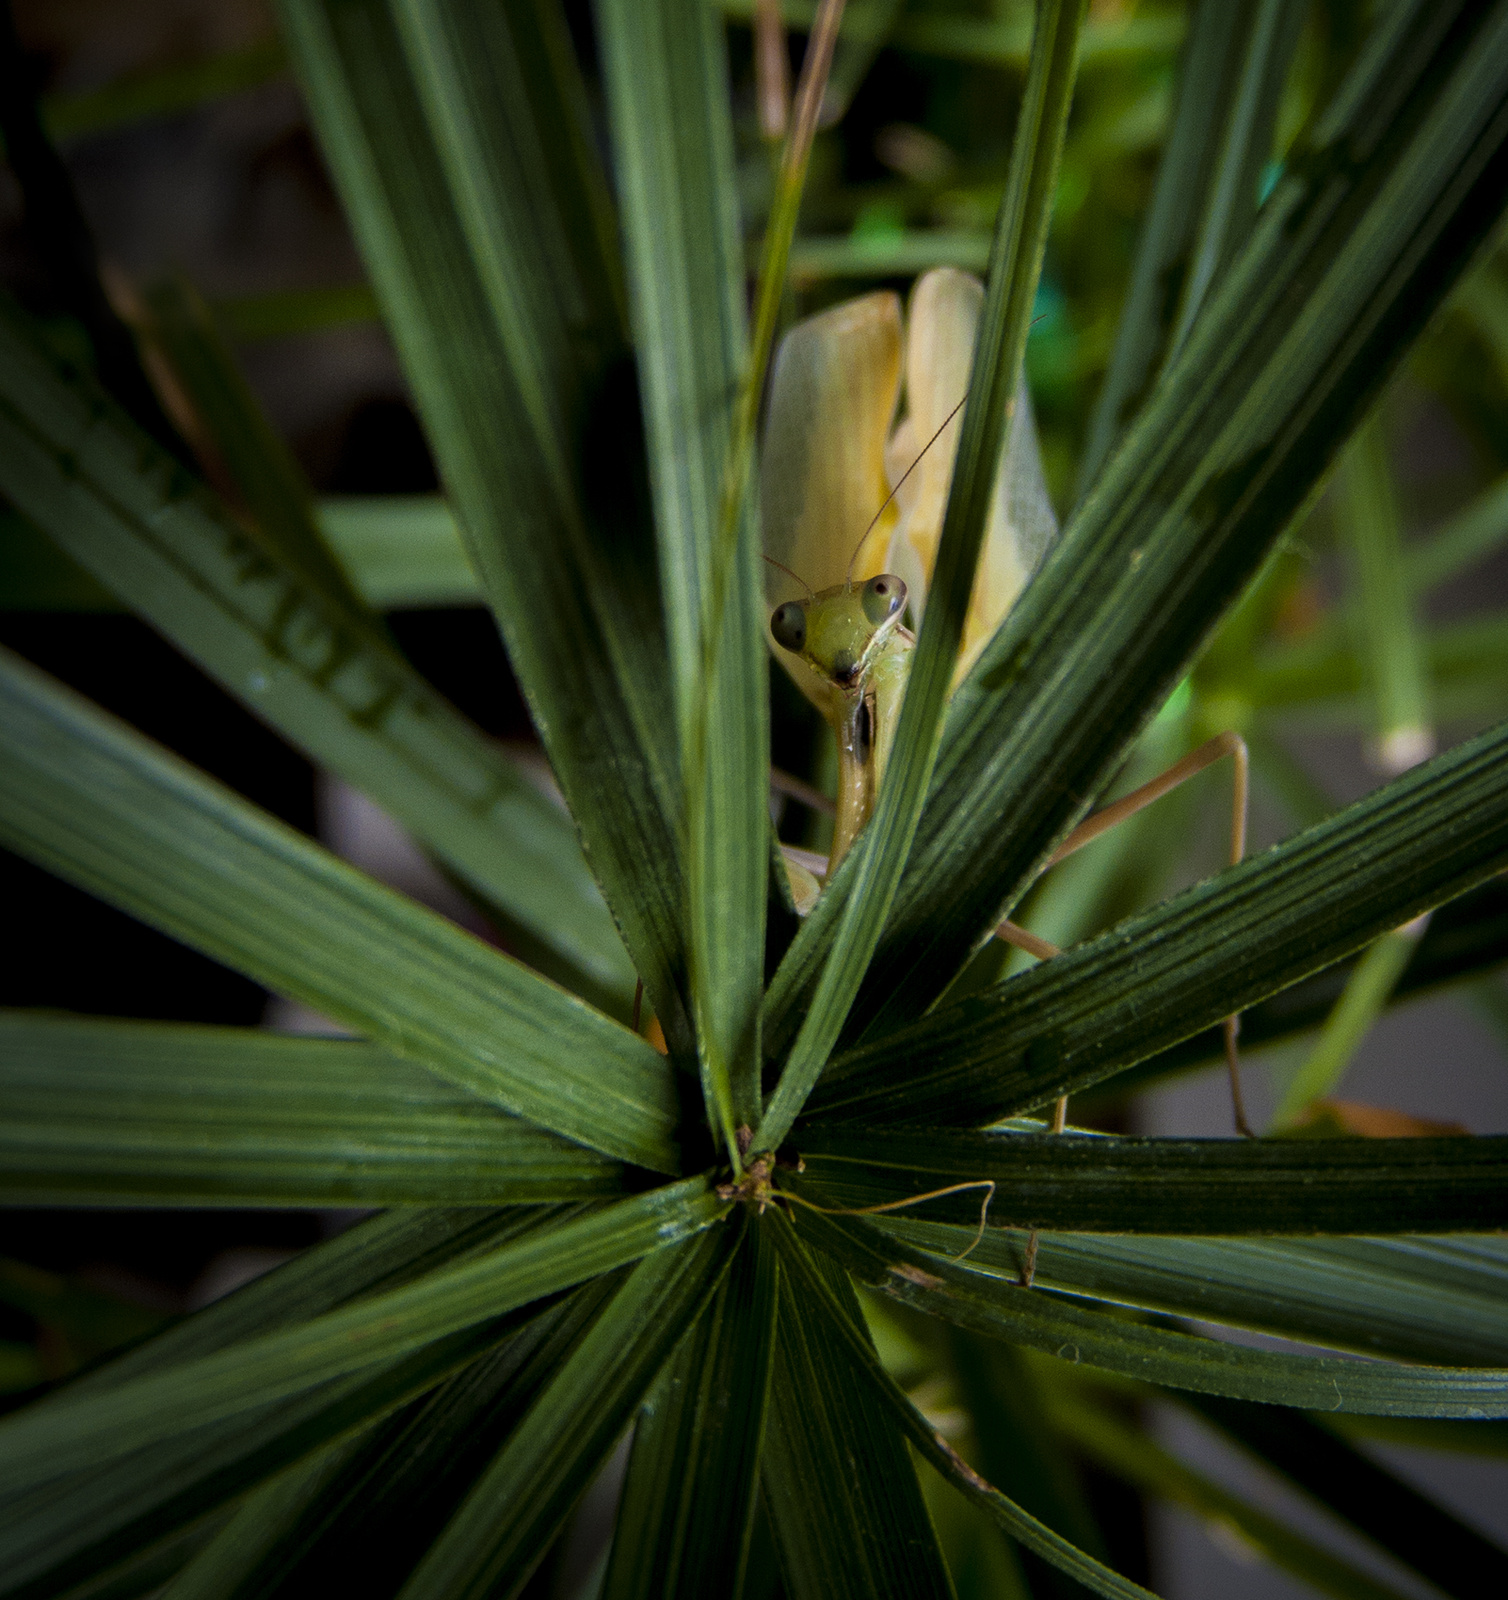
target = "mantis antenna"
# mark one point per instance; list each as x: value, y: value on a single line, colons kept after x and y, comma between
x: 848, y: 575
x: 811, y: 593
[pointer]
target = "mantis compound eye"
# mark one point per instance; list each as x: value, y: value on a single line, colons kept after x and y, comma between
x: 883, y: 598
x: 788, y: 626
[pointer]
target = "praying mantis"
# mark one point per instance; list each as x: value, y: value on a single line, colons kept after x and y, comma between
x: 840, y: 577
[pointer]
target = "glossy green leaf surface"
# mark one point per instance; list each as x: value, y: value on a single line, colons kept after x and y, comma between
x: 110, y: 1113
x: 1188, y: 1186
x: 675, y: 179
x: 847, y: 1510
x: 321, y: 674
x: 71, y: 1526
x: 489, y: 1546
x: 79, y: 1429
x: 687, y: 1510
x: 1171, y: 971
x: 834, y: 1321
x: 1441, y: 1301
x: 1000, y: 1308
x: 498, y: 285
x: 90, y: 799
x: 1466, y: 938
x: 368, y: 1528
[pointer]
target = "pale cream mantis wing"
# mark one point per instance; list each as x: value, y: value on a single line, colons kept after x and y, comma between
x: 846, y: 502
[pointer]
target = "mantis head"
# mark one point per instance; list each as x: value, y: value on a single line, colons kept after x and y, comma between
x: 839, y: 631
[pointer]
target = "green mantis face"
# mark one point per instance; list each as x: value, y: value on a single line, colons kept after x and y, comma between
x: 839, y: 632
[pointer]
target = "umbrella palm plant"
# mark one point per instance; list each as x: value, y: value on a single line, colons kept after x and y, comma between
x: 579, y: 1230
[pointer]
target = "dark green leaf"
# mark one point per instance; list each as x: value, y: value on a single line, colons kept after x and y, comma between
x: 517, y: 1506
x: 1170, y: 972
x: 467, y: 172
x: 261, y: 1525
x: 76, y: 1429
x: 687, y: 1510
x: 1139, y: 1461
x: 86, y: 1521
x: 1464, y: 939
x: 1020, y: 1455
x: 365, y: 1528
x: 255, y: 454
x: 1208, y: 72
x: 1001, y: 1309
x: 1443, y: 1301
x: 320, y: 672
x: 847, y: 1510
x: 666, y: 79
x: 1269, y: 35
x: 92, y: 800
x: 99, y: 1112
x: 74, y: 1525
x: 835, y: 1329
x: 146, y: 1572
x: 1188, y: 1186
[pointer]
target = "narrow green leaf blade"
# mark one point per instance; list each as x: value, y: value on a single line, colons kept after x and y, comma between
x: 75, y: 1525
x: 1270, y: 34
x: 96, y: 1112
x: 261, y: 1524
x: 497, y: 283
x: 1138, y: 1460
x: 366, y: 1529
x: 828, y: 1300
x: 1001, y: 1309
x: 1162, y: 976
x: 402, y: 550
x: 1439, y: 1301
x: 666, y: 78
x: 1186, y: 1186
x: 257, y: 457
x: 1208, y: 69
x: 688, y: 1500
x: 505, y: 1525
x: 1019, y: 1453
x: 89, y: 798
x: 80, y: 1429
x: 319, y: 673
x: 847, y: 1510
x: 1387, y: 629
x: 1466, y: 939
x: 1359, y: 1006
